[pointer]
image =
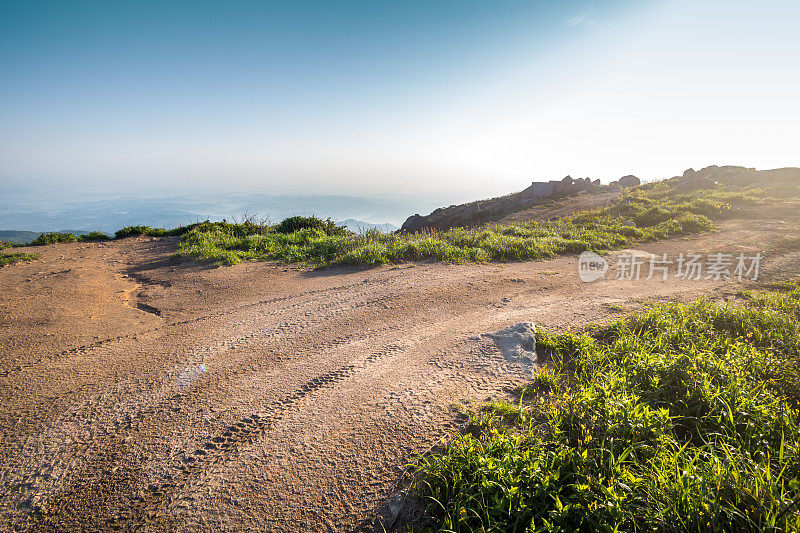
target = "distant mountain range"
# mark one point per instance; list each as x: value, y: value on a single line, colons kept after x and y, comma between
x: 42, y: 210
x: 359, y: 226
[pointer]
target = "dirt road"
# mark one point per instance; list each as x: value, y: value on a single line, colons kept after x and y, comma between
x: 139, y: 391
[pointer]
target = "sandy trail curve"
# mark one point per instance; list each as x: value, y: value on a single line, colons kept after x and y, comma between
x: 139, y: 391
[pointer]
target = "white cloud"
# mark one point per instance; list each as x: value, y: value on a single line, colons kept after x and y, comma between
x: 583, y: 18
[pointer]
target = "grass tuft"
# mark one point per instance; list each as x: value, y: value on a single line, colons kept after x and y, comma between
x: 10, y: 259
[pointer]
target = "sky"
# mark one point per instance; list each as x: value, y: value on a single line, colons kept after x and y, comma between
x: 466, y: 98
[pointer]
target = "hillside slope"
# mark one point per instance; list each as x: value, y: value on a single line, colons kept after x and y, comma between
x: 572, y: 195
x: 141, y: 390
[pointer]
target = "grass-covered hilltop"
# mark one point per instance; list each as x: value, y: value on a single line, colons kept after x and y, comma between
x: 683, y: 205
x: 659, y: 214
x: 679, y: 206
x: 679, y: 418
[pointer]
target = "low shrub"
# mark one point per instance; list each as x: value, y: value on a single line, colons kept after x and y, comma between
x: 138, y: 231
x: 52, y: 238
x: 292, y: 224
x: 94, y: 236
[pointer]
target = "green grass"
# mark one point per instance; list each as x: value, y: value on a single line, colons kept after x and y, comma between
x: 10, y: 259
x: 679, y: 418
x: 652, y: 213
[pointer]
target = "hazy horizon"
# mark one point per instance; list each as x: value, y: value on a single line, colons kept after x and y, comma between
x: 452, y: 100
x: 57, y: 209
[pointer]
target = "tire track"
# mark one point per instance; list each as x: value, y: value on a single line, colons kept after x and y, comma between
x: 163, y: 497
x: 285, y: 329
x: 280, y: 334
x: 88, y: 348
x: 105, y: 406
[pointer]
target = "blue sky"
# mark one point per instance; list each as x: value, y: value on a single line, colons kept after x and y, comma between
x: 468, y: 97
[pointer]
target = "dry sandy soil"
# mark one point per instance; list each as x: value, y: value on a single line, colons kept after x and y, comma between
x: 139, y: 391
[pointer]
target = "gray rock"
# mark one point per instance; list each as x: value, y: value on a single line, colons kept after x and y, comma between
x: 629, y: 181
x: 517, y: 343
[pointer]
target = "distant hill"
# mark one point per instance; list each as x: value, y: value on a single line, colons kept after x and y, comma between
x: 24, y: 237
x: 359, y: 226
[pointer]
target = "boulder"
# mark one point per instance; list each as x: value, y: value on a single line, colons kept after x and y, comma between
x: 629, y: 181
x: 539, y: 190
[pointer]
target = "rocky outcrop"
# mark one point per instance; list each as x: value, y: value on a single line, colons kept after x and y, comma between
x: 733, y: 176
x: 566, y: 187
x: 481, y: 212
x: 485, y: 211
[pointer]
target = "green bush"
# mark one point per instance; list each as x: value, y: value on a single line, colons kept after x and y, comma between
x: 292, y: 224
x: 138, y: 231
x: 94, y: 236
x: 52, y: 238
x: 236, y: 230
